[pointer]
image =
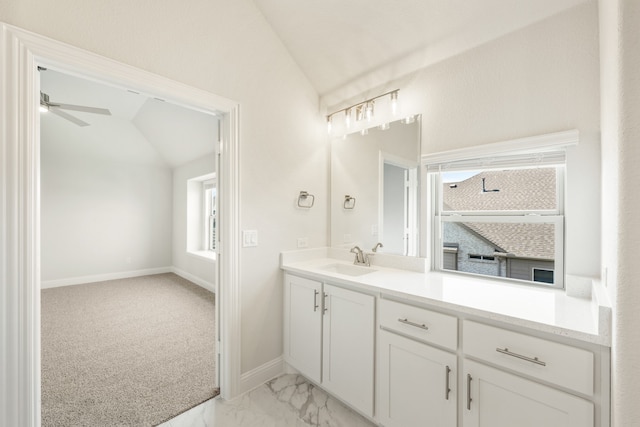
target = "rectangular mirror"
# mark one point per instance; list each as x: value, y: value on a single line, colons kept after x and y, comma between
x: 375, y: 193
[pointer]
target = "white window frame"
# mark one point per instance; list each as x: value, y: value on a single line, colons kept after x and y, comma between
x: 206, y: 215
x: 540, y: 151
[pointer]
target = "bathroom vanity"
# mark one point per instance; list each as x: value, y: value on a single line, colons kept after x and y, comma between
x: 405, y: 347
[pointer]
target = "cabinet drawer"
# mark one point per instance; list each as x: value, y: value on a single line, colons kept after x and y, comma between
x: 419, y: 323
x: 550, y: 361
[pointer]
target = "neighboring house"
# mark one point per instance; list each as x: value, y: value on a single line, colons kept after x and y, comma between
x: 519, y: 251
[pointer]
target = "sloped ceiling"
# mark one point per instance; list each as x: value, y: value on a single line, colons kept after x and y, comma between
x: 139, y: 130
x: 337, y: 41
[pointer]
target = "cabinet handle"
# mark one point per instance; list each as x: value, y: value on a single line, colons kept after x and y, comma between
x: 417, y: 325
x: 519, y: 356
x: 469, y: 399
x: 447, y: 389
x: 315, y: 300
x: 324, y: 303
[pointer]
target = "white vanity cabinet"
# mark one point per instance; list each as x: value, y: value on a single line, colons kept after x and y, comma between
x: 329, y: 337
x: 416, y: 382
x: 303, y: 325
x: 496, y: 397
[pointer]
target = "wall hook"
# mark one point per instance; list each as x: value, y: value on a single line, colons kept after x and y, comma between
x: 349, y: 202
x: 306, y: 200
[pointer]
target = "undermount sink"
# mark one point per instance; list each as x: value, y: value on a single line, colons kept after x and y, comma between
x: 346, y: 269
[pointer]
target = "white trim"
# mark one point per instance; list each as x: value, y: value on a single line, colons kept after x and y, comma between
x: 211, y: 287
x: 228, y: 254
x: 79, y: 280
x: 21, y: 51
x: 533, y: 144
x: 260, y: 375
x: 208, y: 256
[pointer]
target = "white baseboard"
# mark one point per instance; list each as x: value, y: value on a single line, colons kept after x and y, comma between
x: 102, y: 277
x: 211, y: 287
x: 260, y: 375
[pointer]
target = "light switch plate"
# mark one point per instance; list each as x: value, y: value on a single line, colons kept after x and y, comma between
x: 249, y: 238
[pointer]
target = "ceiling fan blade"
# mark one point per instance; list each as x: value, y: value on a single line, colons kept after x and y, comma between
x: 56, y: 111
x: 84, y: 109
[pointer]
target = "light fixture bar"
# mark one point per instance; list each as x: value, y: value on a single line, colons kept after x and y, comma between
x: 362, y: 106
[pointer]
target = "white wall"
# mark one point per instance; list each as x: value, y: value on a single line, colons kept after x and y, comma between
x: 620, y: 91
x: 227, y: 48
x: 201, y: 268
x: 541, y: 79
x: 105, y: 201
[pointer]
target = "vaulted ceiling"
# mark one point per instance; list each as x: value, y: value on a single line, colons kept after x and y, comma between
x: 336, y: 42
x: 139, y: 129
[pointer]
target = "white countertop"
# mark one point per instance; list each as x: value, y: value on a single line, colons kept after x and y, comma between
x: 541, y: 309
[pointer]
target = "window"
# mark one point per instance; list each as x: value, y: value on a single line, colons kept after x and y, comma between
x: 500, y: 217
x: 541, y: 275
x: 209, y: 203
x: 201, y: 217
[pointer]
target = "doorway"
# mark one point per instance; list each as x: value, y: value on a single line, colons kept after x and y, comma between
x: 128, y: 319
x: 23, y: 52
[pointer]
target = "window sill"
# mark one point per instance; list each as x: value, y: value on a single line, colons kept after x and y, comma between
x: 208, y: 256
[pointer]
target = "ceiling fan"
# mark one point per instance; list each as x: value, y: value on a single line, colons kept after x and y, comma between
x: 57, y: 108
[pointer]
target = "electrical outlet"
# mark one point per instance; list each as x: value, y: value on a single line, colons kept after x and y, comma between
x: 249, y: 238
x: 303, y: 242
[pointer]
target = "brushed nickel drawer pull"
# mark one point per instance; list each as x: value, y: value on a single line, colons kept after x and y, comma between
x: 417, y: 325
x: 447, y: 389
x: 315, y: 300
x: 324, y: 303
x: 469, y: 399
x: 519, y: 356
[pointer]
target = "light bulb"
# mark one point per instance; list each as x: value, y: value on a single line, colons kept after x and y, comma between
x: 384, y: 126
x: 369, y: 111
x: 329, y: 124
x: 364, y: 132
x: 394, y: 103
x: 347, y: 118
x: 43, y: 108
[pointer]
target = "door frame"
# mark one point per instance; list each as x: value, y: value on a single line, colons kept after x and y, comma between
x: 21, y: 52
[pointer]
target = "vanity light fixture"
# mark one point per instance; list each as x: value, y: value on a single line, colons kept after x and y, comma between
x: 364, y: 132
x: 384, y: 126
x: 364, y: 109
x: 409, y: 119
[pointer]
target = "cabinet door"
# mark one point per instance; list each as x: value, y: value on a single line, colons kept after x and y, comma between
x: 348, y: 347
x: 493, y: 398
x: 416, y: 383
x: 303, y: 325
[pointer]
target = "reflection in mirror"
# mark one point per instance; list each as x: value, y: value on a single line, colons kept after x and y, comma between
x: 379, y: 170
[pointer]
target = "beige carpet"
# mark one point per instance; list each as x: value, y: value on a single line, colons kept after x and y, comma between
x: 130, y: 352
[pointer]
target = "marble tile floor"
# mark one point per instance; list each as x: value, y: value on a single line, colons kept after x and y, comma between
x: 286, y: 401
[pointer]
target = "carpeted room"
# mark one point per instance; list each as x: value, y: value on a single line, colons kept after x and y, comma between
x: 126, y: 338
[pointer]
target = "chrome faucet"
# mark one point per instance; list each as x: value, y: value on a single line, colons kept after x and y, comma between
x: 378, y: 245
x: 361, y: 257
